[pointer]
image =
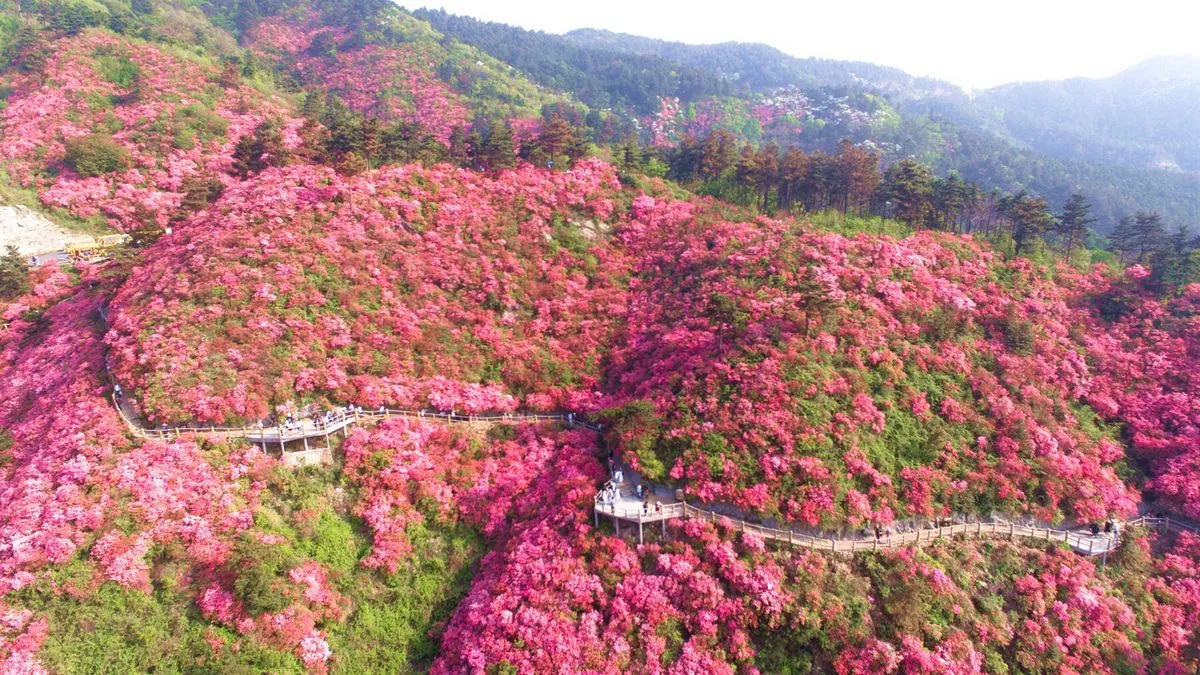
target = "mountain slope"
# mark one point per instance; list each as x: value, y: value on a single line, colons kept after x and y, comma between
x: 1146, y: 116
x: 831, y: 374
x: 815, y: 103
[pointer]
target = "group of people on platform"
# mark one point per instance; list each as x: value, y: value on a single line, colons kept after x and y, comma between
x: 611, y: 493
x: 1110, y: 527
x: 293, y: 422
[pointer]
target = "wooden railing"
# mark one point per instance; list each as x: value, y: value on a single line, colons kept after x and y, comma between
x: 345, y: 419
x: 1080, y: 542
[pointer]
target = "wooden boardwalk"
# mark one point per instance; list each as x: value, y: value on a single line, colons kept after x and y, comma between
x: 311, y: 430
x: 1079, y: 540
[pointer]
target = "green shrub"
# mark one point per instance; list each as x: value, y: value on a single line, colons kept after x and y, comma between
x: 95, y: 155
x: 1018, y: 333
x: 396, y: 620
x: 502, y: 432
x: 119, y: 630
x: 72, y: 16
x: 118, y: 69
x: 260, y: 569
x: 638, y: 427
x: 333, y: 543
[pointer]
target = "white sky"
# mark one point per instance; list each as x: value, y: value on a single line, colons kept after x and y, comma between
x: 970, y: 43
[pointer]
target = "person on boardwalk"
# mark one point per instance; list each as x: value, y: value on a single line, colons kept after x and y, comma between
x: 639, y: 490
x: 618, y: 477
x: 117, y: 391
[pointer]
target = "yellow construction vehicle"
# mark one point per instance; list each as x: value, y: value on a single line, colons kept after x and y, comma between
x: 94, y: 251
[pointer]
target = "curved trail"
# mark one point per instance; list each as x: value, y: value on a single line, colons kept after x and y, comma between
x: 626, y: 507
x: 309, y: 429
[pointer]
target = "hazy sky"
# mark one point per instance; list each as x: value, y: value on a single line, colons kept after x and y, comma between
x: 973, y: 44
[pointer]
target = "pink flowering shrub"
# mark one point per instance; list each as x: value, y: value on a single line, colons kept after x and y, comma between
x: 552, y: 595
x: 416, y: 80
x: 79, y: 488
x: 410, y: 287
x: 408, y: 470
x: 171, y: 115
x: 1145, y: 377
x: 809, y: 364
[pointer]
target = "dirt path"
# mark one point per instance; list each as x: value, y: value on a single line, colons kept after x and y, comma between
x: 34, y: 234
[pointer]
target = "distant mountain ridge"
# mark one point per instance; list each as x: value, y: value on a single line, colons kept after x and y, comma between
x: 1145, y: 116
x: 762, y: 67
x: 989, y: 138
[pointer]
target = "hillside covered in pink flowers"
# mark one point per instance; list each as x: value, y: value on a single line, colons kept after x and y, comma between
x: 287, y: 255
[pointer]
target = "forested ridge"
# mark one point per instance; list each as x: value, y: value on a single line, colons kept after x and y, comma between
x: 926, y: 119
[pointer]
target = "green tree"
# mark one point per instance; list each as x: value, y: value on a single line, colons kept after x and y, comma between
x: 908, y: 187
x: 816, y: 300
x: 199, y: 191
x: 259, y: 150
x: 497, y: 149
x: 947, y: 201
x: 28, y: 49
x: 14, y: 274
x: 1030, y: 218
x: 556, y: 136
x: 1121, y: 236
x: 1139, y: 239
x: 1176, y: 264
x: 1074, y: 222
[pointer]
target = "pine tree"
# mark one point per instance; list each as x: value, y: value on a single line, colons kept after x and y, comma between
x: 257, y: 151
x: 555, y: 138
x: 816, y: 299
x: 1119, y: 240
x: 459, y: 151
x: 908, y: 186
x: 947, y: 200
x: 717, y: 153
x: 1074, y: 221
x: 1174, y: 265
x: 1149, y: 237
x: 767, y: 175
x: 1030, y: 218
x: 497, y: 151
x: 793, y: 169
x: 14, y: 274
